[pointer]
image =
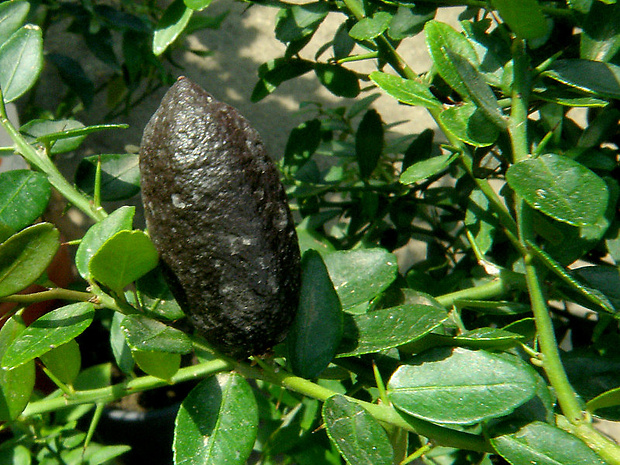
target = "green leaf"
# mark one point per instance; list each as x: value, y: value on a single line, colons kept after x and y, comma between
x: 156, y: 298
x: 360, y: 275
x: 388, y: 328
x: 602, y: 279
x: 197, y: 5
x: 16, y: 385
x: 148, y: 335
x: 405, y: 90
x: 74, y: 76
x: 35, y: 130
x: 25, y: 256
x: 118, y: 343
x: 302, y: 142
x: 170, y: 26
x: 369, y: 143
x: 217, y: 423
x: 15, y: 454
x: 480, y: 220
x: 120, y: 175
x: 24, y: 196
x: 592, y: 77
x: 524, y: 17
x: 316, y: 332
x: 469, y: 124
x: 275, y: 72
x: 561, y: 188
x: 122, y: 259
x: 64, y: 361
x: 299, y: 21
x: 607, y: 399
x: 369, y: 28
x: 544, y: 444
x: 600, y: 40
x: 356, y: 434
x: 440, y: 38
x: 487, y: 338
x: 48, y: 332
x: 21, y: 62
x: 119, y: 220
x: 410, y: 19
x: 338, y: 80
x: 433, y: 385
x: 426, y: 168
x: 75, y: 132
x: 12, y: 16
x: 163, y: 365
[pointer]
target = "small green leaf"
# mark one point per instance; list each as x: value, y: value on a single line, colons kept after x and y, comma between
x: 360, y: 275
x: 388, y: 328
x: 156, y: 298
x: 48, y: 332
x: 119, y: 220
x: 469, y: 124
x: 217, y: 423
x: 12, y: 16
x: 480, y: 221
x: 356, y: 434
x: 25, y: 256
x: 16, y: 385
x: 275, y: 72
x: 148, y: 335
x: 600, y: 40
x: 197, y: 5
x: 21, y: 62
x: 64, y: 361
x: 120, y: 175
x: 487, y: 338
x: 524, y: 17
x: 316, y: 332
x: 544, y: 444
x: 592, y: 77
x: 163, y: 365
x: 433, y: 385
x: 607, y: 399
x: 338, y: 80
x: 410, y: 19
x: 561, y: 188
x: 302, y: 143
x: 35, y: 131
x: 24, y: 195
x: 369, y: 143
x: 74, y: 76
x: 369, y: 28
x: 299, y: 21
x: 122, y: 259
x: 405, y: 90
x: 426, y: 168
x: 67, y: 132
x: 118, y: 343
x: 170, y: 26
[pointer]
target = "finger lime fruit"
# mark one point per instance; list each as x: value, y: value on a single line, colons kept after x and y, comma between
x: 219, y: 218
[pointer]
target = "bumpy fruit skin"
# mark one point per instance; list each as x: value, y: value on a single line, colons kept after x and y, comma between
x: 218, y: 215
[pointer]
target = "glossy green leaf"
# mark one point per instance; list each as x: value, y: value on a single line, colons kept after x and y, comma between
x: 302, y: 142
x: 524, y: 17
x: 405, y: 90
x: 36, y: 129
x: 170, y: 26
x: 369, y: 28
x: 275, y: 72
x: 118, y: 343
x: 469, y: 124
x: 388, y: 328
x: 64, y: 361
x: 480, y: 221
x: 25, y: 256
x: 593, y: 77
x: 21, y: 62
x: 15, y: 454
x: 16, y: 385
x: 433, y: 385
x: 299, y: 21
x: 410, y: 19
x: 601, y: 279
x: 12, y: 16
x: 122, y: 259
x: 148, y: 335
x: 424, y: 169
x: 317, y: 329
x: 369, y: 143
x: 217, y: 423
x: 119, y: 220
x: 440, y: 38
x: 338, y: 80
x: 74, y: 76
x: 360, y: 275
x: 197, y: 5
x: 162, y: 365
x: 156, y: 298
x: 48, y: 332
x: 561, y: 188
x: 487, y: 338
x: 600, y: 40
x: 356, y: 434
x: 544, y: 444
x: 24, y: 195
x: 607, y: 399
x: 120, y: 175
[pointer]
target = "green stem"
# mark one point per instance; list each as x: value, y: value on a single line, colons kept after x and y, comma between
x: 506, y: 281
x: 517, y: 124
x: 50, y: 294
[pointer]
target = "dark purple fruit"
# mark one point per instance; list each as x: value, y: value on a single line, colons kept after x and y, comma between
x: 219, y: 217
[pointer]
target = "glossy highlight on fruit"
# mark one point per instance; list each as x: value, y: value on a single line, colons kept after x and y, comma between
x: 218, y: 215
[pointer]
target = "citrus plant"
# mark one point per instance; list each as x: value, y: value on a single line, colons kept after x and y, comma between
x: 498, y: 347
